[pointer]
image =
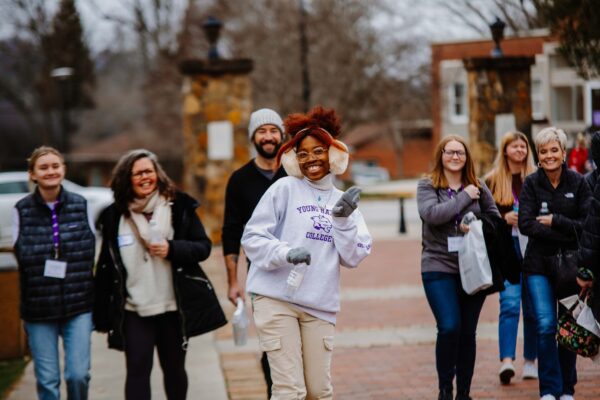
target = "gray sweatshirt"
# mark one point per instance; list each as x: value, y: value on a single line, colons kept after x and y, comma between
x: 441, y: 212
x: 291, y: 215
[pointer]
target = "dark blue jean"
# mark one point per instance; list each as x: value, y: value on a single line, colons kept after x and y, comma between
x: 556, y: 365
x: 456, y: 314
x: 511, y: 299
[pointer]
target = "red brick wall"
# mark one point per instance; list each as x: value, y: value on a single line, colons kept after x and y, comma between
x: 415, y: 157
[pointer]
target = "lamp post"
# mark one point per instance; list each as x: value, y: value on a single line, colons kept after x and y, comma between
x: 497, y: 28
x: 212, y: 26
x: 62, y: 76
x: 304, y: 56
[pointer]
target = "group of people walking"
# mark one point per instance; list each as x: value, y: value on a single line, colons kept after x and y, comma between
x: 542, y: 213
x: 146, y: 288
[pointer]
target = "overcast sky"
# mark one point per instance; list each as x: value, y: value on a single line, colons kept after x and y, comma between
x: 408, y: 19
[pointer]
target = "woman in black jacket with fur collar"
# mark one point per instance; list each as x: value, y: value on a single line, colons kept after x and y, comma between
x: 150, y: 289
x: 567, y: 196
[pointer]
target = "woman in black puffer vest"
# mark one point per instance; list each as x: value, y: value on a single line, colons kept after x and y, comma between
x: 54, y: 246
x: 150, y: 289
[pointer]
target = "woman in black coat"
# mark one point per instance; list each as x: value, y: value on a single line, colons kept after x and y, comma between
x: 150, y: 289
x: 590, y: 250
x: 567, y: 197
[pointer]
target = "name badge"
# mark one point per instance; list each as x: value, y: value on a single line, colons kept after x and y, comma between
x: 455, y: 243
x: 55, y: 269
x: 125, y: 240
x: 569, y: 195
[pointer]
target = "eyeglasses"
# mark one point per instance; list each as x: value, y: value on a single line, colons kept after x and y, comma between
x: 317, y: 152
x: 452, y: 153
x: 141, y: 174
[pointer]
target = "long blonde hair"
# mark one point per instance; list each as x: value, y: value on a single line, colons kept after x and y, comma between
x: 438, y: 179
x: 499, y: 179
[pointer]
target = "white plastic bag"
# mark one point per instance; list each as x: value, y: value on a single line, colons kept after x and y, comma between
x: 473, y: 261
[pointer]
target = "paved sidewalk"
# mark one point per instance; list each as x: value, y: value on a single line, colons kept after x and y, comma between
x: 385, y: 336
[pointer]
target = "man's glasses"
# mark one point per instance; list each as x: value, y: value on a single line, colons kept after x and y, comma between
x: 452, y: 153
x: 318, y: 152
x: 141, y: 174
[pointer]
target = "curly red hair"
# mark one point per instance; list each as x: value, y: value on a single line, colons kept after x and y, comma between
x: 321, y: 123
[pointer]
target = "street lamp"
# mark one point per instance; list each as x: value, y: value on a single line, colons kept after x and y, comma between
x: 497, y: 28
x: 212, y: 26
x: 62, y: 76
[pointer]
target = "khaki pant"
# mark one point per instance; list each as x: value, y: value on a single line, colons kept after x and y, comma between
x: 299, y: 348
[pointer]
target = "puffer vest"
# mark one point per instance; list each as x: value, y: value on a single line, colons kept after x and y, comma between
x: 45, y: 298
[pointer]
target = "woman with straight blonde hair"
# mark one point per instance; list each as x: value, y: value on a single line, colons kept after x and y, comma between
x: 443, y: 198
x: 514, y: 162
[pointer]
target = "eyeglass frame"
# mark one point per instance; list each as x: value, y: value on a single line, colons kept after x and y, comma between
x: 140, y: 174
x: 452, y: 153
x: 304, y: 156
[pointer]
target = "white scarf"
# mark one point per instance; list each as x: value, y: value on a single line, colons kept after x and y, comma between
x: 160, y: 209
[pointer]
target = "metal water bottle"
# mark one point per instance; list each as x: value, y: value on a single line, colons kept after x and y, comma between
x: 294, y: 279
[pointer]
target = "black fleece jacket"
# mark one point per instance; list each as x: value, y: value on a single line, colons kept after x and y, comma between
x: 568, y: 204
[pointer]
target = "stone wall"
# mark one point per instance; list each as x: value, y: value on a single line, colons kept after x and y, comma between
x: 214, y: 93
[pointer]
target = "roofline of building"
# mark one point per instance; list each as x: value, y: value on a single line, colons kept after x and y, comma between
x: 540, y: 32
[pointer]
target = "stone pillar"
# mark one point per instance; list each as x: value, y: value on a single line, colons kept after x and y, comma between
x: 215, y: 90
x: 499, y: 85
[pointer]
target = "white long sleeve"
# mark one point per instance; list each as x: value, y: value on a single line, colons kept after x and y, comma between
x: 289, y: 215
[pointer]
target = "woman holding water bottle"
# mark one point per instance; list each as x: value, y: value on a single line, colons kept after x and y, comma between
x: 150, y: 290
x: 301, y: 232
x: 513, y: 163
x: 553, y: 205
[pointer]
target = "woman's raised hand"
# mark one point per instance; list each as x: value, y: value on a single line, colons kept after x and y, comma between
x: 472, y: 191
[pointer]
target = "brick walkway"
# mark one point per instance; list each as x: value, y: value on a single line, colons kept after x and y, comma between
x: 385, y: 340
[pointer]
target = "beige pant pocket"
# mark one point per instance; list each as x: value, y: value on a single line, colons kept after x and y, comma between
x: 328, y: 342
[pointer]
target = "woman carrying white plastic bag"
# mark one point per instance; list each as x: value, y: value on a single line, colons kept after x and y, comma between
x: 449, y: 192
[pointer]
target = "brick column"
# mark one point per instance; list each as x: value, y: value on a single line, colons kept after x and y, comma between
x: 213, y: 90
x: 496, y: 86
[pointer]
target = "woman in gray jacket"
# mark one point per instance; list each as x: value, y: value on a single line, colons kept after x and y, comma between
x: 449, y: 192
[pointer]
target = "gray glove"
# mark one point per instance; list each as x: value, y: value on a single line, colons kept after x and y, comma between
x: 347, y: 203
x: 298, y: 255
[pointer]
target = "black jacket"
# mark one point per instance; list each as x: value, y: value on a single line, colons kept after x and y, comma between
x: 590, y: 248
x: 245, y: 188
x: 198, y: 308
x: 568, y: 203
x: 45, y: 298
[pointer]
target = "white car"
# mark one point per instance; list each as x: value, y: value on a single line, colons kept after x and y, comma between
x: 16, y: 185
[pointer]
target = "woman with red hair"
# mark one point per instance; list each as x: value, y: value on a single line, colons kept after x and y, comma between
x: 300, y: 233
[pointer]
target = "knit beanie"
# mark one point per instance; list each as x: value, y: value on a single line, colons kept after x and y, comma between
x: 264, y: 116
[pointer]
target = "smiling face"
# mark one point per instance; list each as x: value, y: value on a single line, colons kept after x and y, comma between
x: 454, y: 156
x: 551, y: 156
x: 267, y: 140
x: 516, y: 151
x: 143, y: 177
x: 313, y: 158
x: 48, y: 171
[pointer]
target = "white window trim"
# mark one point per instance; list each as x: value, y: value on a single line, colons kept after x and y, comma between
x: 453, y: 117
x: 587, y: 100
